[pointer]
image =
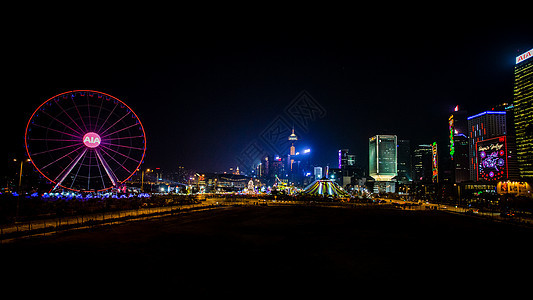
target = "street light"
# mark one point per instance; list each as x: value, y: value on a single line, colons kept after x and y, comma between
x: 20, y: 173
x: 142, y: 179
x: 20, y: 184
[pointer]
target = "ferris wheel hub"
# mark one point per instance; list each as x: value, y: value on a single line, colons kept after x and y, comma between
x: 91, y: 139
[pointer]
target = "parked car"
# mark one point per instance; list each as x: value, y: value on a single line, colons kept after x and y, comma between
x: 507, y: 214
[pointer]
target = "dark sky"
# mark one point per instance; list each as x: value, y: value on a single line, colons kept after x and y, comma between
x: 204, y: 95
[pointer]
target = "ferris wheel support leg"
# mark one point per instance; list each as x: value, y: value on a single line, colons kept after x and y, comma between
x: 107, y: 169
x: 67, y: 171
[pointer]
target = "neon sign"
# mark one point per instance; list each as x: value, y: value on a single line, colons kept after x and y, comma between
x: 487, y: 113
x: 91, y: 139
x: 451, y: 129
x: 435, y: 162
x: 340, y: 159
x: 520, y: 58
x: 492, y: 159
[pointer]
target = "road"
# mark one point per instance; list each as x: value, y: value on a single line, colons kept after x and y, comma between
x: 79, y: 221
x: 460, y: 210
x: 251, y: 250
x: 119, y: 216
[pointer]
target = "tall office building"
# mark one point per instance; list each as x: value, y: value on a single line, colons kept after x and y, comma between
x: 383, y: 157
x: 483, y: 126
x: 346, y: 160
x: 343, y: 158
x: 348, y: 167
x: 292, y: 151
x: 512, y: 162
x: 318, y: 173
x: 523, y: 113
x: 292, y: 138
x: 460, y: 159
x: 422, y: 158
x: 405, y: 172
x: 457, y: 131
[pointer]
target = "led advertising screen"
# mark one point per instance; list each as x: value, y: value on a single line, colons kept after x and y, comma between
x: 492, y: 159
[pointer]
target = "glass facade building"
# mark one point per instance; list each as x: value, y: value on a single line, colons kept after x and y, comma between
x: 523, y: 113
x: 383, y: 157
x: 422, y: 163
x: 405, y: 173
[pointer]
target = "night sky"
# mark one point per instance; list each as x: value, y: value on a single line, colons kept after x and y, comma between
x: 204, y: 95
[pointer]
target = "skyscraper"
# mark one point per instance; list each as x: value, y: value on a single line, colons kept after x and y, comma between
x: 292, y: 151
x: 318, y: 173
x: 422, y: 163
x: 434, y: 163
x: 383, y: 157
x: 523, y: 113
x: 346, y: 160
x: 460, y: 159
x: 292, y: 138
x: 405, y: 172
x: 457, y: 130
x: 485, y: 125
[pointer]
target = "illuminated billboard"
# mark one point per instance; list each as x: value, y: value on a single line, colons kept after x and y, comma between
x: 451, y: 130
x: 527, y: 55
x: 434, y: 162
x: 492, y: 159
x: 513, y: 187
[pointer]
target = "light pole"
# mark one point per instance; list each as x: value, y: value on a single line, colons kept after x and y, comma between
x: 19, y: 187
x: 20, y: 171
x: 142, y: 179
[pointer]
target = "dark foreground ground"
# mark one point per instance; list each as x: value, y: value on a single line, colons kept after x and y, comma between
x: 278, y: 248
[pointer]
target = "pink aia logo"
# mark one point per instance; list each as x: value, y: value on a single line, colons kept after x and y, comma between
x: 91, y: 139
x: 524, y: 56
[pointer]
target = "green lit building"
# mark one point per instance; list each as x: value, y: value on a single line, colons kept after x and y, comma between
x: 383, y: 157
x: 523, y: 113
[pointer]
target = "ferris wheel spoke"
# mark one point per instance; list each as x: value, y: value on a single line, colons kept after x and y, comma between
x: 98, y: 116
x: 107, y: 169
x: 62, y: 157
x: 116, y: 124
x: 68, y: 115
x: 53, y: 140
x: 55, y: 130
x: 59, y: 121
x: 125, y: 137
x: 89, y: 111
x: 105, y: 121
x: 121, y: 154
x: 67, y: 170
x: 122, y: 165
x: 127, y: 127
x: 122, y: 146
x: 79, y: 114
x: 78, y: 171
x: 56, y: 149
x: 100, y: 172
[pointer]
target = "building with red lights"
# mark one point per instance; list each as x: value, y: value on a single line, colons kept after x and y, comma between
x: 483, y: 126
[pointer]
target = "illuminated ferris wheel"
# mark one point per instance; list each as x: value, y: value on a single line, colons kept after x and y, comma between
x: 85, y: 140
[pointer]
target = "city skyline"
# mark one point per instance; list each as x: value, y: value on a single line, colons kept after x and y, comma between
x: 203, y: 120
x: 174, y: 150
